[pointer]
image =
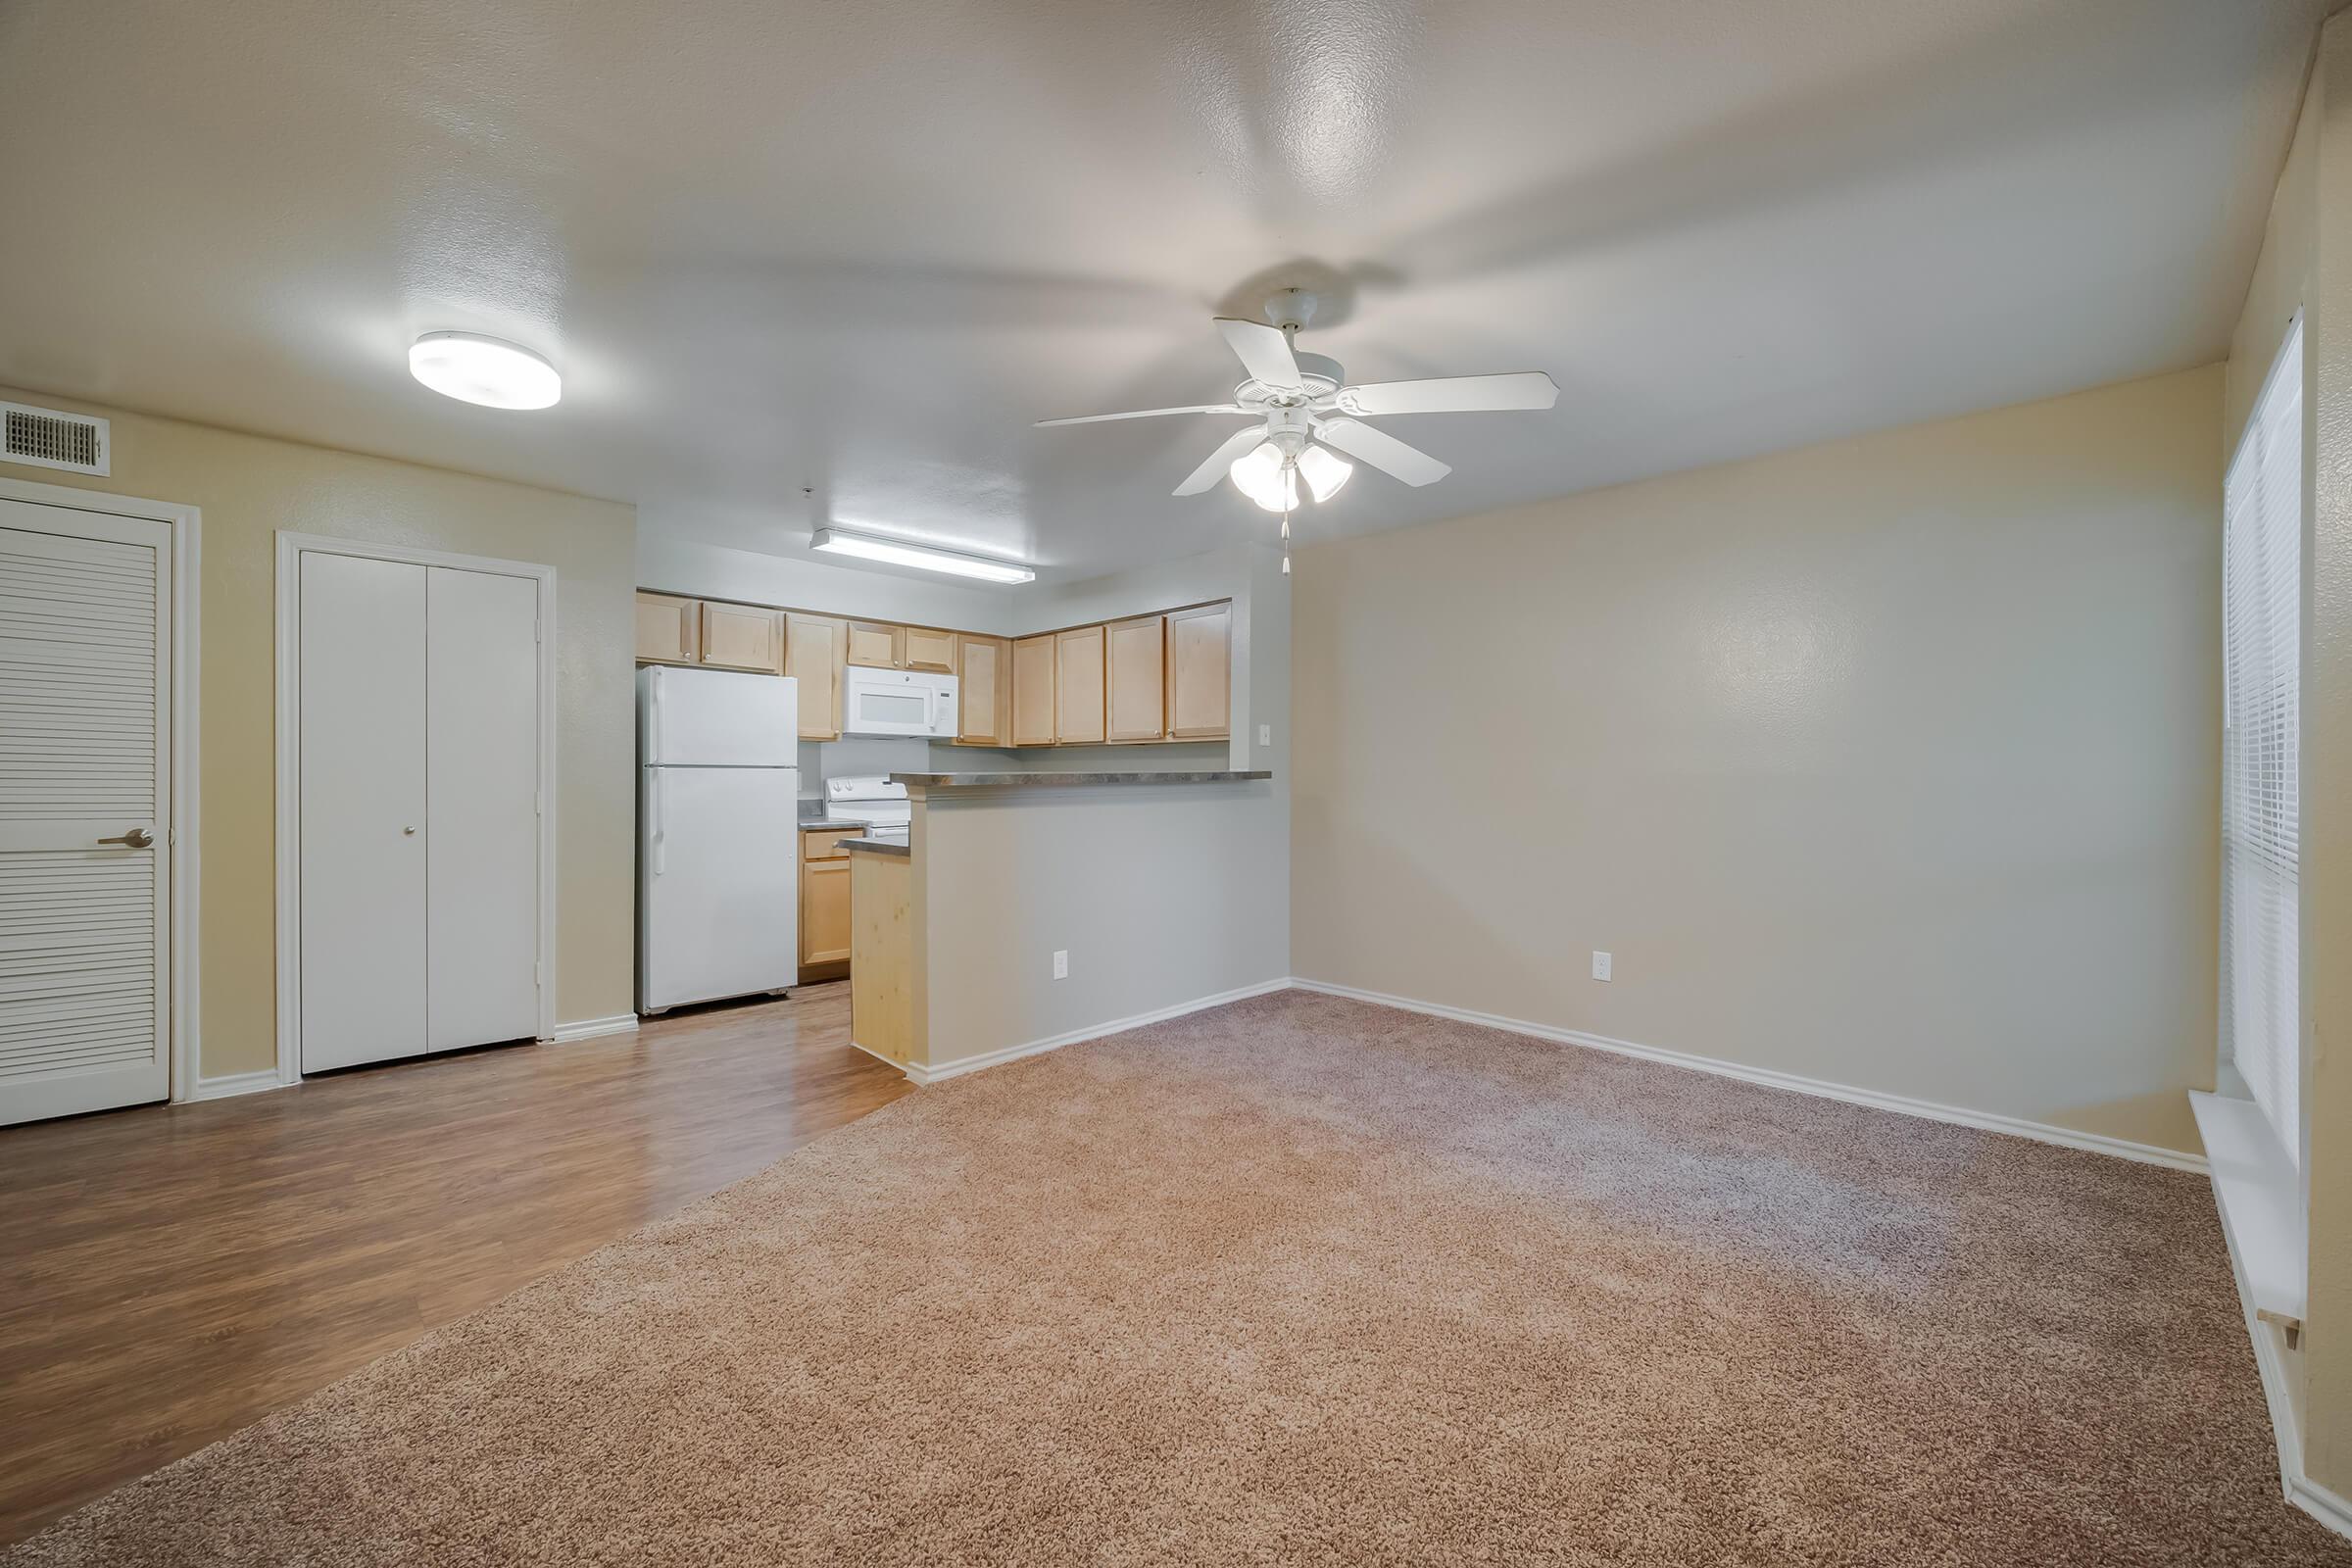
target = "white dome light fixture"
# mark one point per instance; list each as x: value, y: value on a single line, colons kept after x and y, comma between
x: 488, y: 370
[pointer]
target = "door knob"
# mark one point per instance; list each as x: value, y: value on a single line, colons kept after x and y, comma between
x: 407, y: 832
x: 135, y: 839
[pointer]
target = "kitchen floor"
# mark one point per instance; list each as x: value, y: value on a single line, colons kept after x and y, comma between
x: 169, y: 1274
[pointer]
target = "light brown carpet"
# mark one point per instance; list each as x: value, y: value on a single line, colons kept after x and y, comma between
x: 1307, y: 1281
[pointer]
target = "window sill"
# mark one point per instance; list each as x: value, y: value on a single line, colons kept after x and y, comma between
x: 2260, y: 1196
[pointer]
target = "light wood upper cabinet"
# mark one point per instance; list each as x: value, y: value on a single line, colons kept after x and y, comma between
x: 743, y: 637
x: 1130, y: 682
x: 1199, y: 673
x: 668, y: 629
x: 1033, y: 691
x: 874, y: 644
x: 1135, y: 654
x: 1078, y: 710
x: 922, y: 648
x: 983, y: 691
x: 814, y: 646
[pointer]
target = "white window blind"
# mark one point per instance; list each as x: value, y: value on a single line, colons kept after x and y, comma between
x: 2262, y: 570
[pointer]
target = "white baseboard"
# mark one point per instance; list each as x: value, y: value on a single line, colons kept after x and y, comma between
x: 620, y: 1023
x: 235, y: 1083
x: 2043, y: 1132
x: 990, y: 1059
x: 2319, y: 1502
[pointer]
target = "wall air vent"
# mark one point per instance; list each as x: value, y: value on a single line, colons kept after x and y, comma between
x: 49, y: 439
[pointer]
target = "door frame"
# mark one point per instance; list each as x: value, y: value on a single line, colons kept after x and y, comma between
x: 183, y: 941
x: 291, y: 546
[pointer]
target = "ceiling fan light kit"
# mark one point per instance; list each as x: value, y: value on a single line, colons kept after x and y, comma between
x: 1306, y: 413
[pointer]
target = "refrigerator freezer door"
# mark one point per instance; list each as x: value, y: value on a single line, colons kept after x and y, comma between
x: 717, y: 718
x: 717, y: 903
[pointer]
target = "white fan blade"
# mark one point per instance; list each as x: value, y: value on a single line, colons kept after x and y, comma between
x: 1208, y: 474
x: 1381, y: 450
x: 1454, y: 394
x: 1262, y: 350
x: 1147, y: 414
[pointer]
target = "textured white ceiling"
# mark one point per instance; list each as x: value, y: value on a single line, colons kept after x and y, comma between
x: 856, y: 248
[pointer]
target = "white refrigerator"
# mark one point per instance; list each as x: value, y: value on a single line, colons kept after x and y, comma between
x: 718, y: 787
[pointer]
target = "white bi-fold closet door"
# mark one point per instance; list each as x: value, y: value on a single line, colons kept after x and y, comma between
x: 418, y: 761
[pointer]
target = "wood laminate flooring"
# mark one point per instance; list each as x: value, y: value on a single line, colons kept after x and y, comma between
x: 171, y: 1274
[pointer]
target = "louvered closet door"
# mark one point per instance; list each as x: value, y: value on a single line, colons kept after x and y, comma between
x: 85, y: 746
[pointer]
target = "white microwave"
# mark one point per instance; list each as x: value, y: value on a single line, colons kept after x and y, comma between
x: 897, y: 702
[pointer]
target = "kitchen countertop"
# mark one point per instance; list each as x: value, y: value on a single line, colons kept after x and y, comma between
x: 829, y: 824
x: 878, y: 846
x: 1000, y: 781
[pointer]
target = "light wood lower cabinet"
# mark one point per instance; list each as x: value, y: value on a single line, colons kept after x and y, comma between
x: 1033, y: 691
x: 668, y: 629
x: 1078, y: 710
x: 814, y: 646
x: 824, y: 905
x: 1199, y: 673
x: 1135, y: 654
x: 983, y: 691
x: 743, y: 637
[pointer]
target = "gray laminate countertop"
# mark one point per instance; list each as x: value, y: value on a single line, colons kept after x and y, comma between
x: 1063, y: 781
x: 878, y: 846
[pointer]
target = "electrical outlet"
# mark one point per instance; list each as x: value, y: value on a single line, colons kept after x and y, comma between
x: 1061, y: 964
x: 1600, y: 965
x: 1266, y: 734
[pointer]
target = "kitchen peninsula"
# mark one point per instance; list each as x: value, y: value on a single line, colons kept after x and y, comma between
x: 1032, y: 909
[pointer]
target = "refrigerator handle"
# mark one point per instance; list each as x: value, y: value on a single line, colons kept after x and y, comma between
x: 654, y: 738
x: 659, y: 814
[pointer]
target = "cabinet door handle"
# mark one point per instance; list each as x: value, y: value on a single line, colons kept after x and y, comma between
x: 136, y: 839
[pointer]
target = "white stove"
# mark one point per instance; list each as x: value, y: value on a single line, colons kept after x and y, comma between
x: 873, y: 800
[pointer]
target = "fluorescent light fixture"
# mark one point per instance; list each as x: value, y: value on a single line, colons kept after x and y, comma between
x: 1323, y: 471
x: 866, y: 547
x: 474, y: 369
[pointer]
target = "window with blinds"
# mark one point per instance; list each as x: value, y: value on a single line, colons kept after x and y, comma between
x: 2262, y: 570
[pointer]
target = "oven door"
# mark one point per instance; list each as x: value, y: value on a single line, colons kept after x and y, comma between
x: 888, y: 702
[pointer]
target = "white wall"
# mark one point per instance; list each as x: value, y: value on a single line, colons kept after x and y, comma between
x: 1892, y: 762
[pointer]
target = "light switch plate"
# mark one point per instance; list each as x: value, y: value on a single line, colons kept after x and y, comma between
x: 1266, y: 734
x: 1061, y: 964
x: 1600, y: 965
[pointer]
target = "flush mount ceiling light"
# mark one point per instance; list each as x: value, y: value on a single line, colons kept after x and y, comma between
x: 488, y: 370
x: 866, y: 547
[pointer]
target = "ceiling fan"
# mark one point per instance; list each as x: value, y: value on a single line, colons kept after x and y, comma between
x: 1305, y: 414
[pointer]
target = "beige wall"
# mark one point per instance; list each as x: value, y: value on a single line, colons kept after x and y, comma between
x: 2322, y: 209
x: 1891, y: 762
x: 1161, y: 894
x: 249, y: 487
